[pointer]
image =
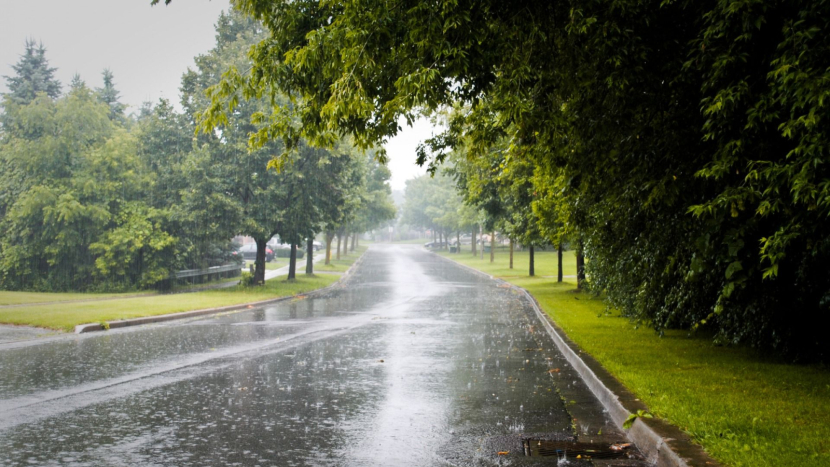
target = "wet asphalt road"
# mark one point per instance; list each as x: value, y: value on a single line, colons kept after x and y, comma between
x: 414, y: 361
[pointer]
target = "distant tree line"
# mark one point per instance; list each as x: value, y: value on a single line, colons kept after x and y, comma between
x: 682, y: 146
x: 93, y: 199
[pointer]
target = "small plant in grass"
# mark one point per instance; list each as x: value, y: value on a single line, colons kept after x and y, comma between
x: 247, y: 279
x: 630, y: 420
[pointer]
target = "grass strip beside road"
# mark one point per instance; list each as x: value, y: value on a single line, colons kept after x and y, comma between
x: 338, y: 265
x: 22, y: 298
x: 744, y: 409
x: 545, y: 262
x: 65, y: 316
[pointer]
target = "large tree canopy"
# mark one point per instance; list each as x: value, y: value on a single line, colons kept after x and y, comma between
x: 688, y: 135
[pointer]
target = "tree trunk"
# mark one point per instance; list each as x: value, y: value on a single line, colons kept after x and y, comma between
x: 473, y: 241
x: 481, y: 234
x: 339, y: 241
x: 292, y: 263
x: 346, y: 244
x: 458, y: 241
x: 492, y: 246
x: 309, y: 261
x: 354, y: 241
x: 559, y: 259
x: 532, y: 271
x: 329, y: 238
x: 259, y: 272
x: 511, y: 253
x: 434, y: 235
x: 580, y: 267
x: 440, y: 239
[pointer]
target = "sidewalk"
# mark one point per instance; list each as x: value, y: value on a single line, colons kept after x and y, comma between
x: 269, y: 274
x: 320, y: 256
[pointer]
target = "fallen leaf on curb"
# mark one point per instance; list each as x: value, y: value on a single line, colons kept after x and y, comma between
x: 503, y: 453
x: 553, y: 370
x: 250, y: 306
x: 381, y: 361
x: 620, y: 447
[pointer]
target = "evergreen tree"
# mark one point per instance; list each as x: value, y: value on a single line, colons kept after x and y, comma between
x: 76, y: 83
x: 109, y: 95
x: 33, y: 76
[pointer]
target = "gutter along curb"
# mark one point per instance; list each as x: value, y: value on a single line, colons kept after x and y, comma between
x: 661, y: 442
x: 123, y: 323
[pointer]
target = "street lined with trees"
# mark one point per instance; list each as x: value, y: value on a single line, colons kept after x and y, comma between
x: 655, y: 174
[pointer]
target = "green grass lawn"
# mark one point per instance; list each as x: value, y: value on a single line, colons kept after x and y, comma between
x: 65, y: 316
x: 545, y: 262
x: 341, y: 265
x: 745, y: 410
x: 20, y: 298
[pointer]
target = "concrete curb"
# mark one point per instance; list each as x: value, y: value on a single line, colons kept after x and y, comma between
x: 662, y: 443
x: 123, y: 323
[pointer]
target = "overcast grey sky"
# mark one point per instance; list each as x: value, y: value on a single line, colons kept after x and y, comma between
x: 147, y: 48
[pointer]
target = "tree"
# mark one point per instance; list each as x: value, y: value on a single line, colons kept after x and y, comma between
x: 165, y: 143
x: 312, y: 170
x: 76, y: 220
x: 32, y: 76
x: 376, y: 207
x: 109, y: 96
x: 340, y: 209
x: 231, y: 191
x: 551, y: 208
x: 234, y: 190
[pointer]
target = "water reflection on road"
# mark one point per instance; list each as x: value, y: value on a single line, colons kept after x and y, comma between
x: 415, y: 361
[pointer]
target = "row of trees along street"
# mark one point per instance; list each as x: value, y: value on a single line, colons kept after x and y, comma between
x: 466, y: 198
x: 92, y: 199
x: 681, y: 146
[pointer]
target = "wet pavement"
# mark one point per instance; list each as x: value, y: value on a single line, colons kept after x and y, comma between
x: 414, y: 361
x: 12, y: 333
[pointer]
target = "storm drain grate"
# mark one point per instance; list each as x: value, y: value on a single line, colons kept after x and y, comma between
x: 570, y: 449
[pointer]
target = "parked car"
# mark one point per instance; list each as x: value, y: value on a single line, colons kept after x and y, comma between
x: 249, y: 252
x: 435, y: 244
